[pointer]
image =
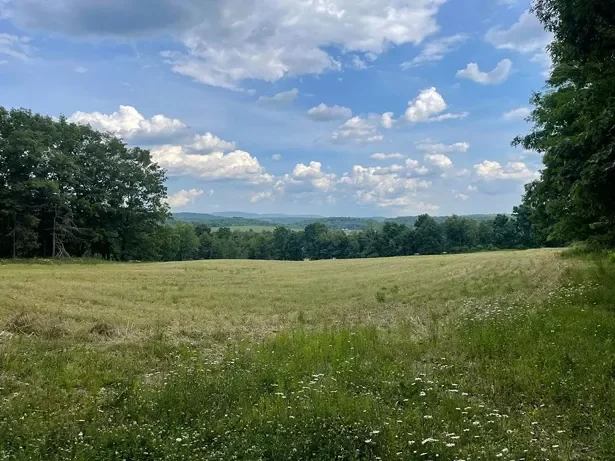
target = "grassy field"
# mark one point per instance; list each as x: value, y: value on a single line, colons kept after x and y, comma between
x: 248, y: 228
x: 507, y: 355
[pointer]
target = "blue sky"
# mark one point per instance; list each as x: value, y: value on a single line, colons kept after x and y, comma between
x: 331, y: 107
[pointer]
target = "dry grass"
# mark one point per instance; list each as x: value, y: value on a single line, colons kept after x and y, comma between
x: 221, y: 299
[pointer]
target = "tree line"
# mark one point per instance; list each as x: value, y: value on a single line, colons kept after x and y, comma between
x: 186, y: 241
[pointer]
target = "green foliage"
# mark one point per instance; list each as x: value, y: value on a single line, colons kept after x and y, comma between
x: 67, y: 190
x: 574, y: 125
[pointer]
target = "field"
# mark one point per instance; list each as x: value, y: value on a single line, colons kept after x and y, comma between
x: 248, y: 228
x: 505, y: 355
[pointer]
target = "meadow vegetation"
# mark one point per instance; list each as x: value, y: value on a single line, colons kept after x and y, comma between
x: 504, y: 355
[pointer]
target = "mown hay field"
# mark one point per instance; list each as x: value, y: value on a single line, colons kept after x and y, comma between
x: 491, y: 356
x: 222, y: 299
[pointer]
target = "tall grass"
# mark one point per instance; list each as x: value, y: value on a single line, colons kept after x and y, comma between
x: 504, y: 381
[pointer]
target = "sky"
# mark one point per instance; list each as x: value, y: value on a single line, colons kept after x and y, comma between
x: 328, y: 107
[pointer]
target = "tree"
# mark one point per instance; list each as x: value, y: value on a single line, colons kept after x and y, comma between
x: 574, y: 123
x: 67, y: 189
x: 428, y: 235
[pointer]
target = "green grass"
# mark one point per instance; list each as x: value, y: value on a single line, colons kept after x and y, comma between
x: 492, y: 356
x: 248, y: 228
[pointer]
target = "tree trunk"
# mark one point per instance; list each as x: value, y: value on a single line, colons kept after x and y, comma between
x: 15, y: 235
x: 53, y: 238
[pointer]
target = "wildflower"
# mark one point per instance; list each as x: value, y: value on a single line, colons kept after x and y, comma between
x: 428, y: 440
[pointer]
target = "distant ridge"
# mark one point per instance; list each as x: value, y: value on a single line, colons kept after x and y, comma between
x: 239, y: 219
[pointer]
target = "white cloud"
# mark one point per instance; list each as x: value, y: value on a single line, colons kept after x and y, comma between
x: 260, y: 196
x: 496, y: 76
x: 358, y: 63
x: 527, y: 35
x: 491, y: 170
x: 80, y: 70
x: 15, y: 46
x: 183, y: 197
x: 472, y: 188
x: 461, y: 197
x: 285, y: 97
x: 128, y: 123
x: 357, y: 130
x: 236, y: 165
x: 435, y: 50
x: 427, y: 106
x: 305, y: 179
x: 229, y: 41
x: 543, y: 59
x: 210, y: 143
x: 429, y: 146
x: 386, y: 120
x: 517, y: 114
x: 381, y: 156
x: 384, y: 187
x: 439, y: 160
x: 276, y: 157
x: 235, y: 40
x: 324, y: 113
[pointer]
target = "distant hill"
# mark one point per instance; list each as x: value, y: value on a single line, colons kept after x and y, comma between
x: 240, y: 214
x: 221, y: 221
x: 231, y: 219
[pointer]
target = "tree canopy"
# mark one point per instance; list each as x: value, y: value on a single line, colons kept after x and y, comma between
x: 67, y: 189
x: 574, y: 125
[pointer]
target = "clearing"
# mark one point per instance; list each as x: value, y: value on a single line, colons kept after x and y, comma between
x: 487, y: 356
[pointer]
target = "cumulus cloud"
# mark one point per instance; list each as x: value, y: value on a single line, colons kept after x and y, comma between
x: 183, y: 197
x: 491, y: 170
x: 429, y: 146
x: 276, y: 157
x: 386, y: 120
x: 285, y: 97
x: 428, y: 107
x: 260, y: 196
x: 439, y: 160
x: 381, y: 156
x: 461, y: 197
x: 384, y: 187
x: 472, y: 188
x: 15, y: 46
x: 128, y: 123
x: 527, y: 35
x: 498, y: 75
x: 305, y: 179
x: 435, y: 50
x: 324, y: 113
x: 517, y: 114
x: 236, y: 165
x: 210, y: 143
x: 228, y: 41
x: 394, y: 186
x: 357, y: 130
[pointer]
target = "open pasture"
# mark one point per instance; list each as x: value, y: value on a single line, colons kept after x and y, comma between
x: 221, y: 298
x: 492, y: 356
